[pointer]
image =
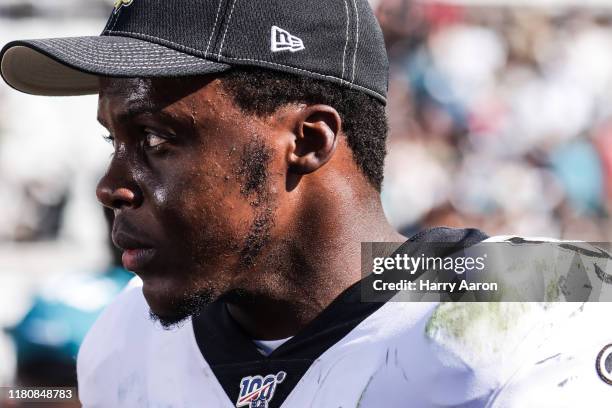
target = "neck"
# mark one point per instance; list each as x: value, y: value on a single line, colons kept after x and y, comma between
x: 318, y: 258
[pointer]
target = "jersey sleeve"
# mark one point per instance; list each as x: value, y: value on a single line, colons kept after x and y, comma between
x: 571, y: 365
x: 531, y: 355
x: 566, y: 356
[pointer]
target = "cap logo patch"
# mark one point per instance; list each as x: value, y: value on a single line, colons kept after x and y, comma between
x: 282, y: 40
x: 604, y: 364
x: 122, y: 3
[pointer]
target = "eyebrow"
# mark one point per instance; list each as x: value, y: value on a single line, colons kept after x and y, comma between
x: 135, y: 111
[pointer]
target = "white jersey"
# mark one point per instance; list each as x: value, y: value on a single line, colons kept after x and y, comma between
x: 392, y: 355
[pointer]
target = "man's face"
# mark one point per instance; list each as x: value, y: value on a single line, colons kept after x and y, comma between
x: 192, y: 182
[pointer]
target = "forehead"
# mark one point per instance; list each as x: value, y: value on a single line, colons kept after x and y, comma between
x: 134, y: 95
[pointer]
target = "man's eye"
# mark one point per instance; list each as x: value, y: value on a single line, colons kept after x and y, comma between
x: 109, y: 139
x: 152, y: 140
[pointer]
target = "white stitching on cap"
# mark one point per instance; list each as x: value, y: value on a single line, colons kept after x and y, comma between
x: 129, y: 67
x: 229, y: 20
x: 116, y: 19
x: 214, y: 27
x: 104, y: 48
x: 132, y: 57
x: 163, y: 40
x: 138, y: 49
x: 132, y: 50
x: 108, y: 23
x: 136, y: 55
x: 108, y: 47
x: 139, y: 55
x: 356, y: 43
x: 95, y: 41
x: 119, y: 64
x: 302, y: 70
x: 347, y: 38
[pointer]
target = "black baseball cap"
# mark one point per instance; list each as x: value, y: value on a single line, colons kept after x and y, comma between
x: 334, y: 40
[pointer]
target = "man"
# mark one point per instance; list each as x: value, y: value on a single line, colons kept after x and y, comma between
x: 249, y: 147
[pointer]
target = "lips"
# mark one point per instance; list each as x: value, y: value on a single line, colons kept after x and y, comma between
x: 137, y: 259
x: 136, y: 252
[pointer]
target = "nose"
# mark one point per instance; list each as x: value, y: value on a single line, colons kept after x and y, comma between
x: 116, y: 190
x: 116, y: 198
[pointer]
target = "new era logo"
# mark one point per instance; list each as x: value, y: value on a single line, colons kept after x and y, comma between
x: 283, y: 41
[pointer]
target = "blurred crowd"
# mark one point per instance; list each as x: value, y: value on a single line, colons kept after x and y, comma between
x: 57, y: 271
x: 500, y: 118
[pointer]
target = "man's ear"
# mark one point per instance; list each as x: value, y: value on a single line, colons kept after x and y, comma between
x: 317, y: 128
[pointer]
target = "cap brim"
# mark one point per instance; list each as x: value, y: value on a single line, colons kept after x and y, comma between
x: 71, y: 66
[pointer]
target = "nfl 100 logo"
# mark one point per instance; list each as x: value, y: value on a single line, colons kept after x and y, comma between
x: 257, y: 391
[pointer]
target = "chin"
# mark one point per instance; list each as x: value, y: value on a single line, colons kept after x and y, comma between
x: 171, y: 304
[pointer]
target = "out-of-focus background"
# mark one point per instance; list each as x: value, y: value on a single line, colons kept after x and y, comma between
x: 501, y: 119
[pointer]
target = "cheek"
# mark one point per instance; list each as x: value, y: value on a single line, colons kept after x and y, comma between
x: 203, y: 208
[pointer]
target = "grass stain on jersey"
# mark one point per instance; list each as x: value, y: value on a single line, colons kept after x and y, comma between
x: 553, y: 292
x: 474, y: 328
x: 456, y: 319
